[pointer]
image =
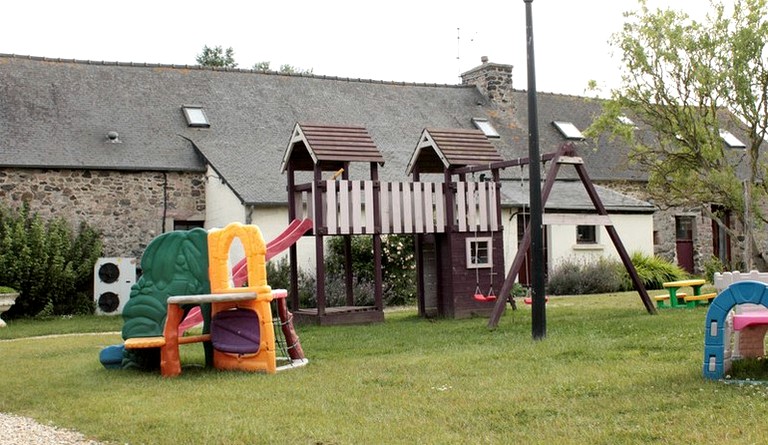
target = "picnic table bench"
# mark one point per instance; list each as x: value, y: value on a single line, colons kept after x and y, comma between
x: 681, y: 299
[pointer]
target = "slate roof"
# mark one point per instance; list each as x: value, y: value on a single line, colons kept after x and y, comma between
x: 571, y: 196
x: 56, y: 114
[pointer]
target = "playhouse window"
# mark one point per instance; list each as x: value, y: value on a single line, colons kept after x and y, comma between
x: 478, y: 253
x: 586, y: 234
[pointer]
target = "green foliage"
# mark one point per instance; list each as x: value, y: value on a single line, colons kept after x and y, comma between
x: 279, y: 277
x: 653, y: 271
x: 578, y: 277
x: 685, y: 81
x: 7, y: 290
x: 261, y: 66
x: 290, y: 69
x: 217, y: 57
x: 750, y: 368
x: 50, y: 266
x: 397, y: 262
x: 711, y: 266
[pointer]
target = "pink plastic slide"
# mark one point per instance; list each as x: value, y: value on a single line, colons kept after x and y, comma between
x: 295, y: 230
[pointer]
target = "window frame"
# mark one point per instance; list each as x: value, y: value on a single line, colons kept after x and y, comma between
x: 588, y: 241
x: 475, y: 242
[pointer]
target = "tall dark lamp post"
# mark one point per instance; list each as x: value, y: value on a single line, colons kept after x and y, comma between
x: 538, y: 307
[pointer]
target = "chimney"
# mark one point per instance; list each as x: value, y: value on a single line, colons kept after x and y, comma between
x: 493, y: 79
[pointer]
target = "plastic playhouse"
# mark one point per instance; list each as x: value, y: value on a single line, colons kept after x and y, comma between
x: 183, y: 270
x: 736, y: 322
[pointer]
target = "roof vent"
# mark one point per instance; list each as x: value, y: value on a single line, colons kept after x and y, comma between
x: 113, y: 137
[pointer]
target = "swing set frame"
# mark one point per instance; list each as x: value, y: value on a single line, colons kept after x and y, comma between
x: 565, y: 155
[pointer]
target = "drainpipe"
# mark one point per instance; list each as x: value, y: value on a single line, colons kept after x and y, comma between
x: 248, y: 213
x: 165, y: 199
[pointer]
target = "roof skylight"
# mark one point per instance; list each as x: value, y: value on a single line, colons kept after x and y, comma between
x: 627, y: 121
x: 486, y: 127
x: 195, y: 117
x: 568, y: 130
x: 731, y: 140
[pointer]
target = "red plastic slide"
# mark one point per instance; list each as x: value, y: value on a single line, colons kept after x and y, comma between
x: 286, y: 239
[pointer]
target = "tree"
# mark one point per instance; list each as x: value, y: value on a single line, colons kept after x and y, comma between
x: 688, y: 81
x: 217, y: 57
x: 290, y: 69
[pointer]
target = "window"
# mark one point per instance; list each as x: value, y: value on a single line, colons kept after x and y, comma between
x: 479, y: 253
x: 195, y: 117
x: 486, y: 127
x: 730, y: 140
x: 568, y: 130
x: 187, y: 225
x: 586, y: 234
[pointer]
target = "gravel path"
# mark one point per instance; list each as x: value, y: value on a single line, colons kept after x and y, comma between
x: 16, y: 430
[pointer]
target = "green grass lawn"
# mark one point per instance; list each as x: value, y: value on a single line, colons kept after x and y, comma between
x: 607, y: 373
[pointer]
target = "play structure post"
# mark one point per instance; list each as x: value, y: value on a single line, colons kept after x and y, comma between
x: 538, y: 316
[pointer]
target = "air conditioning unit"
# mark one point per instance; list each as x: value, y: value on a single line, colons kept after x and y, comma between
x: 112, y: 281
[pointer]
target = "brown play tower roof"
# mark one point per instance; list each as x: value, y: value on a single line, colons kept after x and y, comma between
x: 329, y: 147
x: 441, y: 149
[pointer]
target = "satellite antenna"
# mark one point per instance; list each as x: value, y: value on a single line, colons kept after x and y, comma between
x: 458, y: 50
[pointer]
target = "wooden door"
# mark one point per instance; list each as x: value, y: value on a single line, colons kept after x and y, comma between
x: 684, y: 242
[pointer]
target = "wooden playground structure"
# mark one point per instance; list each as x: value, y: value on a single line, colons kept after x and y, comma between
x: 456, y: 223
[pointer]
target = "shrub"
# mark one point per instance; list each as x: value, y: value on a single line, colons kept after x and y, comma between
x: 653, y: 271
x: 397, y: 262
x: 578, y: 277
x: 279, y: 277
x: 711, y: 266
x: 51, y: 267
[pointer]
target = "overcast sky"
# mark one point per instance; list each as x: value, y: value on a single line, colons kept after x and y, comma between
x: 430, y: 41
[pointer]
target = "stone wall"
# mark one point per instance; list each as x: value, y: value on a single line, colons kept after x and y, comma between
x: 128, y: 208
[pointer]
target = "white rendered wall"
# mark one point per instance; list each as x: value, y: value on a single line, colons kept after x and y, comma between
x: 272, y: 221
x: 635, y: 232
x: 222, y: 206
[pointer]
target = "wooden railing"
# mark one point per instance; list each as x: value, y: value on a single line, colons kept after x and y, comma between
x: 404, y: 207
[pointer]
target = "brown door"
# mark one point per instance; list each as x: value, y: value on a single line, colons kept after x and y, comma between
x: 684, y: 231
